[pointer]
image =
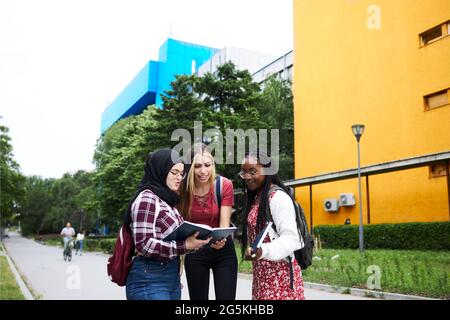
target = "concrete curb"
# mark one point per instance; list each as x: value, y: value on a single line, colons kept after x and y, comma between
x: 364, y: 292
x: 353, y: 291
x: 23, y: 287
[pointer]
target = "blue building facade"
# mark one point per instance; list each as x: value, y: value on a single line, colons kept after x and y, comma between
x: 175, y: 58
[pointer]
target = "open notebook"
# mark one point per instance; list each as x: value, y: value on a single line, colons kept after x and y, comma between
x: 186, y: 229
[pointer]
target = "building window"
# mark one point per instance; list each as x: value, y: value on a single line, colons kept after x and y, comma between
x: 437, y: 99
x: 289, y: 73
x: 438, y: 170
x: 435, y: 33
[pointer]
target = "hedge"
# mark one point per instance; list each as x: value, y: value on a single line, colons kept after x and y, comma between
x: 47, y: 237
x: 403, y: 236
x: 106, y: 245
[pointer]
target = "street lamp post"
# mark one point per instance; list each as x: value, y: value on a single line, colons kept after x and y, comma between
x: 358, y: 130
x: 17, y: 216
x: 81, y: 218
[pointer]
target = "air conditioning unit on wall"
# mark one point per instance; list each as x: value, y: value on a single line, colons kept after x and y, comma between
x: 331, y: 205
x: 346, y: 199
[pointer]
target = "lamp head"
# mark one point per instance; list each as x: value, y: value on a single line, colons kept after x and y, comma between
x: 358, y: 130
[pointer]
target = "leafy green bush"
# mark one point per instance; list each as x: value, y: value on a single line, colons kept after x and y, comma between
x: 404, y: 236
x: 107, y: 245
x: 46, y: 237
x: 91, y: 244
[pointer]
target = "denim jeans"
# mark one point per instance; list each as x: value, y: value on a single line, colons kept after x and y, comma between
x: 80, y: 246
x: 154, y: 280
x: 66, y: 241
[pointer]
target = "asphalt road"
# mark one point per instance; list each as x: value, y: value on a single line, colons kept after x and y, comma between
x: 85, y: 277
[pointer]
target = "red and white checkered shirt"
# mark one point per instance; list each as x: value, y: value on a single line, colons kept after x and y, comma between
x: 148, y: 233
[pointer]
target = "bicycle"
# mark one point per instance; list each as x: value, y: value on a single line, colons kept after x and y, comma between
x: 67, y: 253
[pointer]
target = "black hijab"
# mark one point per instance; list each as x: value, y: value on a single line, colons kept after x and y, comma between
x: 156, y: 169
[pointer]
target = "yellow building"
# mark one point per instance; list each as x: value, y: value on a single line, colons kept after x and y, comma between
x: 385, y: 64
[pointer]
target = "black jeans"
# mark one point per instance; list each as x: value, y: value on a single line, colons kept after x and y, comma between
x: 224, y: 265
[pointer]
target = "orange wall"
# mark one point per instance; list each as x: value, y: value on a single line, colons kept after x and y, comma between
x: 347, y: 73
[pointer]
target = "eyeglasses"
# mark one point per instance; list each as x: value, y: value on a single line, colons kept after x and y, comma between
x: 182, y: 175
x: 244, y: 174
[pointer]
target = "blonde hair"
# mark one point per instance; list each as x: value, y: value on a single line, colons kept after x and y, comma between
x: 188, y: 186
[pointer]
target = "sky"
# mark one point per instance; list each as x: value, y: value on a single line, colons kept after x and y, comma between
x: 63, y: 61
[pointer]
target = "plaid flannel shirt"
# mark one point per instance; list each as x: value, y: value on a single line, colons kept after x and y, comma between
x: 148, y: 233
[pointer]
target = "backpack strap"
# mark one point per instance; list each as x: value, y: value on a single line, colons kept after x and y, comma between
x: 218, y: 191
x: 157, y: 209
x: 272, y: 191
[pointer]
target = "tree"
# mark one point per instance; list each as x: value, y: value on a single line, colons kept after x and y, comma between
x: 86, y: 201
x: 182, y: 106
x: 50, y: 203
x: 11, y: 180
x: 119, y: 158
x: 37, y: 206
x: 225, y: 99
x: 233, y: 97
x: 277, y: 110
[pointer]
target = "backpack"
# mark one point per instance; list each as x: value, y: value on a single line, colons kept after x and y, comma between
x: 304, y: 255
x: 120, y: 262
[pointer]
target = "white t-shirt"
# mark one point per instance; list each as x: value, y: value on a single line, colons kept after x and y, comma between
x: 68, y: 232
x: 80, y: 237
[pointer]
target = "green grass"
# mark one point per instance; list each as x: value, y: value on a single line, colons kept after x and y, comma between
x: 9, y: 290
x: 422, y: 273
x: 244, y: 266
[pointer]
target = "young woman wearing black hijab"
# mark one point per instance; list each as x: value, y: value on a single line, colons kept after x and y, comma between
x: 152, y: 215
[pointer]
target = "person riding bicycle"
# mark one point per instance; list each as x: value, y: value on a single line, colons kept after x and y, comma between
x: 68, y: 232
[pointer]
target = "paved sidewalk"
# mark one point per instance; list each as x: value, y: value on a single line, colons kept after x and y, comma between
x: 53, y: 278
x: 85, y: 278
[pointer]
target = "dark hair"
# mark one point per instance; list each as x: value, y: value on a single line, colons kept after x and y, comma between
x: 265, y: 161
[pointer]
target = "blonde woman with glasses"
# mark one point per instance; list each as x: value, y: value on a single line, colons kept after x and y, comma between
x: 200, y: 204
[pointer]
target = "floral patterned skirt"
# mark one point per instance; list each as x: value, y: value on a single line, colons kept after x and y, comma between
x: 271, y: 281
